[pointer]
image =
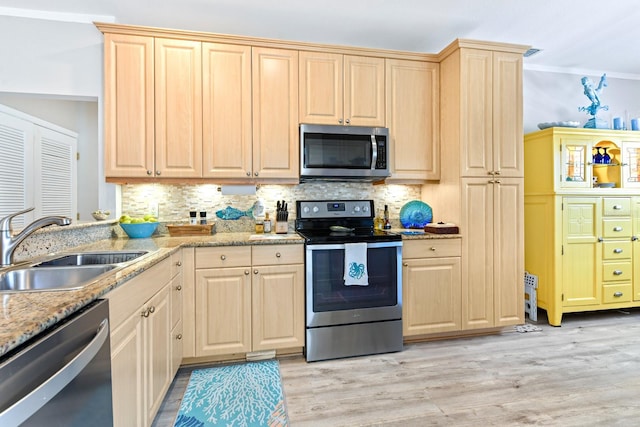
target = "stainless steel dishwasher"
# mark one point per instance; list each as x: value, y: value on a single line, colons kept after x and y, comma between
x: 63, y: 377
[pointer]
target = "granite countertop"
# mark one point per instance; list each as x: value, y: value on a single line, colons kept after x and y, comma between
x: 27, y: 314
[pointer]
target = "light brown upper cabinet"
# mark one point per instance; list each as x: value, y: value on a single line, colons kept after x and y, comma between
x: 153, y: 107
x: 338, y: 89
x: 413, y: 116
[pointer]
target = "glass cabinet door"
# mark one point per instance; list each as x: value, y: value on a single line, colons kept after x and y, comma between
x: 575, y: 164
x: 631, y: 164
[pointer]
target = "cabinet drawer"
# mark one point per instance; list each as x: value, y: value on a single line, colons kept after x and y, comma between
x: 613, y: 206
x: 277, y: 254
x: 433, y: 248
x: 616, y: 227
x: 616, y: 271
x: 616, y: 293
x: 223, y: 256
x: 616, y: 250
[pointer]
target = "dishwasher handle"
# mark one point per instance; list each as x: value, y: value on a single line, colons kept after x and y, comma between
x: 32, y: 402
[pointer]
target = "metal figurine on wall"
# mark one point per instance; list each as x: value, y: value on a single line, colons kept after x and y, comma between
x: 593, y: 93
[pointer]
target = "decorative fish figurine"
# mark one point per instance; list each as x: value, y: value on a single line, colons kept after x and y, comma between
x: 233, y: 213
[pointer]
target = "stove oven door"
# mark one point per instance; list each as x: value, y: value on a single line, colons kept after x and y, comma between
x: 330, y: 302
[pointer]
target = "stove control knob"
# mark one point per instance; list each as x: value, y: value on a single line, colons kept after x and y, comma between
x: 316, y: 209
x: 365, y: 208
x: 357, y: 208
x: 305, y: 209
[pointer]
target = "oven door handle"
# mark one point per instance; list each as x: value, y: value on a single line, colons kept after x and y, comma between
x: 370, y: 245
x: 374, y: 151
x: 32, y: 402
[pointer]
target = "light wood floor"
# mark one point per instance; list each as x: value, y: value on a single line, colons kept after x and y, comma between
x: 584, y: 373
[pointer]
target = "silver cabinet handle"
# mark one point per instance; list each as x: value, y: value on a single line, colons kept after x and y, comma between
x: 145, y: 313
x: 617, y: 272
x: 158, y: 173
x: 617, y: 228
x: 347, y: 121
x: 432, y: 248
x: 179, y: 336
x: 179, y: 263
x: 255, y: 271
x: 152, y: 309
x: 246, y: 272
x: 248, y: 173
x: 617, y: 207
x: 149, y: 172
x: 405, y: 264
x: 178, y: 288
x: 278, y: 254
x: 617, y: 294
x: 617, y: 251
x: 255, y: 173
x: 223, y: 257
x: 32, y: 402
x: 340, y: 121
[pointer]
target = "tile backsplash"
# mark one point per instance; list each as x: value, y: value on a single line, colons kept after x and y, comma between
x: 175, y: 201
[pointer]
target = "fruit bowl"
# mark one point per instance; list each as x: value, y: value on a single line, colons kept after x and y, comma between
x: 139, y: 230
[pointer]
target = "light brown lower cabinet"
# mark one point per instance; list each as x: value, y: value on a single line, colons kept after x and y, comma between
x: 431, y: 286
x: 248, y: 299
x: 144, y: 357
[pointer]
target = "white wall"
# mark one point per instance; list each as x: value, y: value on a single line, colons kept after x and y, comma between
x: 552, y: 97
x: 52, y: 60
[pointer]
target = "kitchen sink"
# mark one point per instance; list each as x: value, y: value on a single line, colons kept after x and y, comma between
x: 92, y: 258
x: 51, y: 278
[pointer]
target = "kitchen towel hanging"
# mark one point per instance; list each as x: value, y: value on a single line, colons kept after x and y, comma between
x: 355, y: 264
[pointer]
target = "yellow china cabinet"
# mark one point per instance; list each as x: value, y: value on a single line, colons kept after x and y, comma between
x: 582, y: 217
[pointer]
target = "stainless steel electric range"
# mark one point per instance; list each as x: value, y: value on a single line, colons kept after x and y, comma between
x: 353, y: 279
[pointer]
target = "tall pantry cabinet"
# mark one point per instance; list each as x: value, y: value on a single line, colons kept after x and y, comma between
x: 482, y: 176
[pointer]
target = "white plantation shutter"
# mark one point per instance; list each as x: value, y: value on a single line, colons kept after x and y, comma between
x: 57, y: 166
x: 37, y: 167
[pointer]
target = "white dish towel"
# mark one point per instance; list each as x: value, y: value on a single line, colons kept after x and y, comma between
x: 355, y: 264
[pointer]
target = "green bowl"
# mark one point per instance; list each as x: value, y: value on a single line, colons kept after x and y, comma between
x: 139, y: 230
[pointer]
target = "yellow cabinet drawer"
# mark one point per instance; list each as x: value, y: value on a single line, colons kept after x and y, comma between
x: 616, y: 293
x: 616, y: 250
x: 223, y: 256
x: 616, y: 227
x: 616, y: 271
x: 277, y: 254
x: 433, y: 248
x: 616, y: 206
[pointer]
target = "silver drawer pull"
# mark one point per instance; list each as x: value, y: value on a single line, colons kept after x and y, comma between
x: 432, y: 248
x: 278, y: 255
x: 617, y: 251
x: 617, y: 207
x: 617, y: 228
x: 223, y: 257
x: 617, y: 272
x: 617, y: 294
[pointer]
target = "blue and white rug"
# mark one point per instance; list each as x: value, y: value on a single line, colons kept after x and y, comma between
x: 243, y: 395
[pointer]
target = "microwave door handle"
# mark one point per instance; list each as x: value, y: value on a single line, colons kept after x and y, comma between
x: 374, y: 150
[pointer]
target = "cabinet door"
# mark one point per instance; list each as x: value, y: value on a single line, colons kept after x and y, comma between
x: 476, y: 112
x: 413, y: 119
x: 157, y: 332
x: 477, y: 225
x: 431, y: 295
x: 575, y: 162
x: 506, y: 125
x: 364, y: 94
x: 129, y: 105
x: 127, y: 373
x: 321, y: 88
x: 275, y: 114
x: 178, y: 108
x: 278, y: 307
x: 223, y: 311
x: 630, y: 154
x: 508, y: 251
x: 226, y: 108
x: 582, y: 253
x: 635, y: 209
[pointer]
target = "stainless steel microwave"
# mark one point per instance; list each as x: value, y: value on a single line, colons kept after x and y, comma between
x: 343, y: 153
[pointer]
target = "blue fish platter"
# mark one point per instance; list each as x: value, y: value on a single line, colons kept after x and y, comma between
x: 415, y: 214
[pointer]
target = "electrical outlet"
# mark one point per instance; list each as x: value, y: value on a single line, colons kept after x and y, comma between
x: 154, y: 209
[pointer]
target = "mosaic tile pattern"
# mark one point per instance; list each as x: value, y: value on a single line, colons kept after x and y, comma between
x: 175, y: 201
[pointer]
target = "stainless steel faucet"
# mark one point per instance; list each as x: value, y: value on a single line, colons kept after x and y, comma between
x: 9, y: 242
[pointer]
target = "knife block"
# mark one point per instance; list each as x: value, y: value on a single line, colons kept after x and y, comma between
x: 282, y: 227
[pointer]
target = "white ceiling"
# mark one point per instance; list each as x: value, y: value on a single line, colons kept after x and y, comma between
x: 579, y: 36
